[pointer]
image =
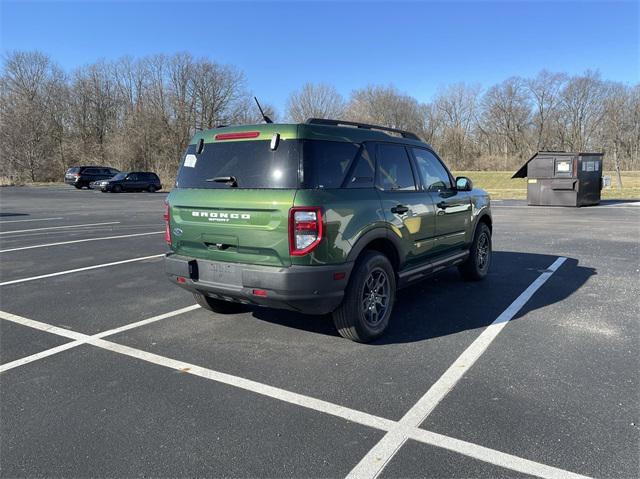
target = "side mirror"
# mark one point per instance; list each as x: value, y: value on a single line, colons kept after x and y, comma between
x: 463, y: 184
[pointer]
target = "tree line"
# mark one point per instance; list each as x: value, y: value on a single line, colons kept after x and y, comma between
x: 139, y: 114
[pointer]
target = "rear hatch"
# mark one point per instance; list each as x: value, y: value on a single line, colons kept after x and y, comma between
x: 213, y: 219
x: 72, y: 174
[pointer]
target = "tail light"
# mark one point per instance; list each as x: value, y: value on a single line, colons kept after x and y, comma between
x: 167, y: 220
x: 305, y: 230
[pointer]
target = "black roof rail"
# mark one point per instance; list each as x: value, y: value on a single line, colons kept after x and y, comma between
x: 326, y: 121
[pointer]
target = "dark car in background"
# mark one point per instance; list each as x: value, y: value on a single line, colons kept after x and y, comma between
x: 80, y: 176
x: 130, y: 181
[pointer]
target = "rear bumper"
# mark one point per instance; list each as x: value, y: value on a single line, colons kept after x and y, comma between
x: 307, y: 289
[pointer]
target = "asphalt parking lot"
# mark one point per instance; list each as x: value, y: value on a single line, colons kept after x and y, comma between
x: 107, y: 369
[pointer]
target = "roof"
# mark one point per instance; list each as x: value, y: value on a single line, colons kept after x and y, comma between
x: 311, y: 131
x: 522, y: 172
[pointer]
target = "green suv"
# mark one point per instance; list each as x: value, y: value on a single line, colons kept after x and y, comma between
x: 320, y: 217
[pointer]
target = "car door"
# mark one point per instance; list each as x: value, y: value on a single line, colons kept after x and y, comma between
x: 130, y: 183
x: 143, y: 181
x: 105, y: 173
x: 453, y: 207
x: 406, y: 207
x: 90, y: 174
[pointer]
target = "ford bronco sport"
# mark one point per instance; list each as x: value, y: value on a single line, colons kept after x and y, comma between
x: 322, y: 217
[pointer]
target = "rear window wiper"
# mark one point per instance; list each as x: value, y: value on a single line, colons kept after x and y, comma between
x: 230, y: 180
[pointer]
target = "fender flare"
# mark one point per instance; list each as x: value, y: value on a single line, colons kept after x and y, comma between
x: 479, y: 219
x: 375, y: 234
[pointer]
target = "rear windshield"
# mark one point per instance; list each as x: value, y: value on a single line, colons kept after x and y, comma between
x: 75, y: 169
x: 251, y: 163
x: 308, y: 164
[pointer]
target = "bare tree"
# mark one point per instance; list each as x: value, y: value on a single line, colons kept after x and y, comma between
x: 216, y: 90
x: 28, y: 110
x: 582, y: 103
x: 506, y: 116
x: 544, y: 90
x: 141, y: 113
x: 617, y: 127
x: 385, y: 106
x: 457, y: 106
x: 315, y: 101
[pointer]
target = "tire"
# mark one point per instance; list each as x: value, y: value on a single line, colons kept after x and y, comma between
x: 476, y: 266
x: 116, y: 189
x: 151, y: 189
x: 217, y: 305
x: 364, y: 315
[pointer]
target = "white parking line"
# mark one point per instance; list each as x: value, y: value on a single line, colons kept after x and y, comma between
x: 79, y: 241
x: 379, y: 456
x: 77, y: 270
x: 78, y: 337
x: 47, y: 328
x: 59, y: 227
x: 34, y: 219
x: 492, y: 456
x: 478, y: 452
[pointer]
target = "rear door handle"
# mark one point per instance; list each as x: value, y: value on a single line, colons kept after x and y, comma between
x: 399, y: 209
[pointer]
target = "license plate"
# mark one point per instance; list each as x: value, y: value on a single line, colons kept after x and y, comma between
x: 225, y: 273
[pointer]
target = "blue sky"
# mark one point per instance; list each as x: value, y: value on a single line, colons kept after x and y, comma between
x: 417, y: 46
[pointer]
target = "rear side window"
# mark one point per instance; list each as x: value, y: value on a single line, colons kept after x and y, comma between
x: 91, y: 171
x: 363, y: 172
x: 394, y: 170
x: 251, y: 163
x: 326, y: 163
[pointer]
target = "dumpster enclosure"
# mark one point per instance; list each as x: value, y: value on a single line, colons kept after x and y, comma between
x: 558, y: 178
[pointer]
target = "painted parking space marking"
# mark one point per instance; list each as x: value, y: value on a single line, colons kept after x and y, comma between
x: 492, y: 456
x: 60, y: 227
x: 79, y: 339
x: 33, y: 219
x: 400, y: 429
x: 373, y: 463
x: 22, y: 248
x: 78, y: 270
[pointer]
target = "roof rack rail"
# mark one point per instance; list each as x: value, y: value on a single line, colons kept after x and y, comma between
x: 326, y: 121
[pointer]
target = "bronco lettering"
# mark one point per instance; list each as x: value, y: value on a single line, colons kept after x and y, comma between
x: 215, y: 214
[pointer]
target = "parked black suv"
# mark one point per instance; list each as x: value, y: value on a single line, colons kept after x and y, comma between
x: 130, y: 181
x: 80, y: 176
